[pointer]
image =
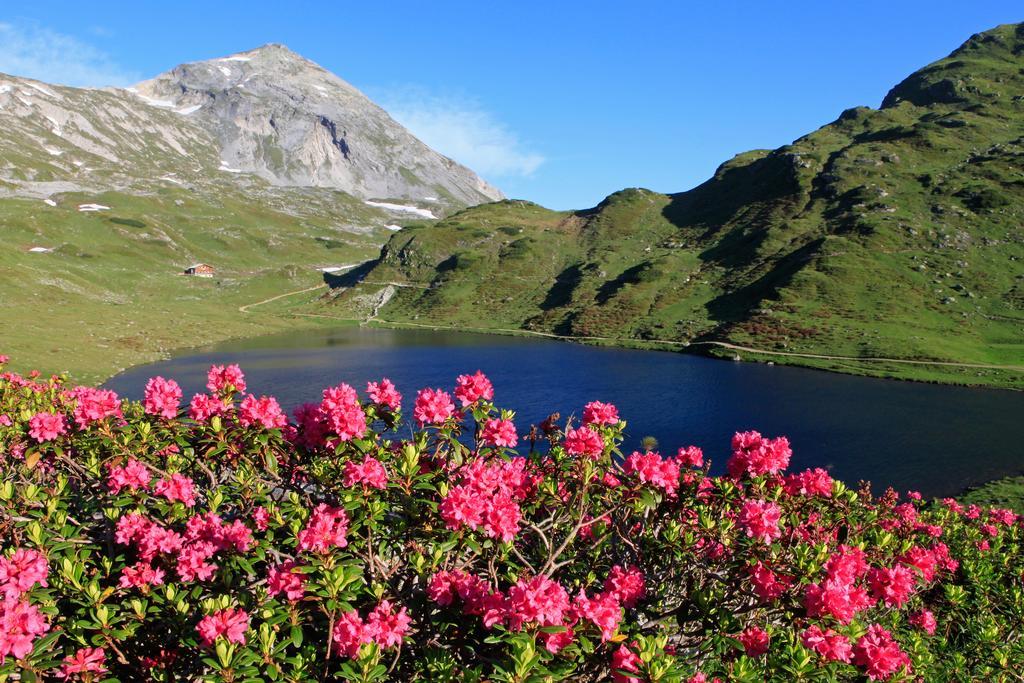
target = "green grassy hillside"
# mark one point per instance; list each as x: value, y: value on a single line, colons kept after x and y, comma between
x: 110, y: 293
x: 891, y: 233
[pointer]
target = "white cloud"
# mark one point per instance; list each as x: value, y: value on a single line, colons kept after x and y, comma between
x: 38, y: 52
x: 464, y: 131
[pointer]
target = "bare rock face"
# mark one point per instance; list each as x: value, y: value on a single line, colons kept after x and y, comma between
x: 282, y: 117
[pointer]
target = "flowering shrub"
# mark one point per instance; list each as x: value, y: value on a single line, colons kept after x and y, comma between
x: 213, y: 539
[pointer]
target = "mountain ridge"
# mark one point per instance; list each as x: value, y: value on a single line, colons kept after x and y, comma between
x: 887, y: 233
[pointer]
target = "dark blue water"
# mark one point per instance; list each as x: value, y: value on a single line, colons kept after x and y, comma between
x: 936, y: 439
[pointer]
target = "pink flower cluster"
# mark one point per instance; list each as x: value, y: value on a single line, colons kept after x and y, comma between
x: 93, y: 405
x: 814, y: 482
x: 755, y: 455
x: 283, y: 578
x: 583, y: 441
x: 542, y: 602
x: 325, y: 529
x: 132, y: 475
x: 21, y: 622
x: 204, y: 536
x: 341, y: 412
x: 472, y: 388
x: 500, y: 433
x: 86, y: 660
x: 383, y: 625
x: 879, y: 654
x: 760, y: 520
x: 488, y: 496
x: 384, y: 393
x: 230, y: 623
x: 177, y: 487
x: 162, y: 398
x: 370, y: 473
x: 47, y: 426
x: 651, y: 468
x: 22, y: 571
x: 597, y: 413
x: 839, y: 596
x: 433, y: 407
x: 224, y: 380
x: 263, y: 411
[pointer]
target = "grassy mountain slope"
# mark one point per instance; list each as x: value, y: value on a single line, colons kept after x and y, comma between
x: 110, y: 293
x: 892, y: 233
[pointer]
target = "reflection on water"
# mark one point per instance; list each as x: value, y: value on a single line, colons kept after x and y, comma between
x: 933, y: 438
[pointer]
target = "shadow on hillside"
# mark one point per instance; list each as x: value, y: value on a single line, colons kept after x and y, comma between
x: 349, y: 278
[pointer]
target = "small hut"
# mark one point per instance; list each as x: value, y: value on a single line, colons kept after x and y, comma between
x: 200, y: 270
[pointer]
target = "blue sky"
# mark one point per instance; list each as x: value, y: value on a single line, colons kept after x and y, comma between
x: 558, y: 102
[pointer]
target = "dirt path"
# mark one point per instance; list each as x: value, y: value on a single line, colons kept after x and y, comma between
x: 245, y: 308
x: 747, y: 349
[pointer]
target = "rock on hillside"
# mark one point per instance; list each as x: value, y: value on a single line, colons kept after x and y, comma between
x: 286, y: 119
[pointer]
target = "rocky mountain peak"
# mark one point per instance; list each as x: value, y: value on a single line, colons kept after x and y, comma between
x: 292, y: 122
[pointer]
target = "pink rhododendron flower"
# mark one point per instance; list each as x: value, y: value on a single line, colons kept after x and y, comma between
x: 925, y: 621
x: 767, y: 584
x: 261, y: 518
x: 879, y: 654
x: 20, y: 624
x: 204, y: 406
x: 177, y: 487
x: 85, y: 660
x: 149, y: 538
x: 231, y: 623
x: 755, y: 455
x: 893, y: 585
x: 325, y: 529
x: 538, y: 600
x: 923, y: 560
x: 433, y: 407
x: 162, y: 398
x: 140, y: 575
x: 690, y: 456
x: 387, y: 626
x: 816, y: 482
x: 21, y: 571
x: 583, y: 441
x: 837, y: 599
x: 834, y: 647
x: 350, y: 633
x: 133, y: 475
x: 471, y: 388
x: 847, y: 564
x: 487, y: 495
x: 263, y: 411
x: 628, y: 661
x: 193, y: 561
x: 597, y: 413
x: 344, y: 416
x: 501, y: 433
x: 384, y: 393
x: 651, y: 468
x: 628, y: 584
x: 370, y: 473
x: 224, y: 380
x: 46, y: 426
x: 755, y: 641
x: 603, y: 610
x: 93, y: 405
x: 760, y: 520
x: 283, y: 579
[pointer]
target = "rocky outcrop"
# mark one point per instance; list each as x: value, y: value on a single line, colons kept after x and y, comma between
x: 265, y: 121
x: 291, y: 122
